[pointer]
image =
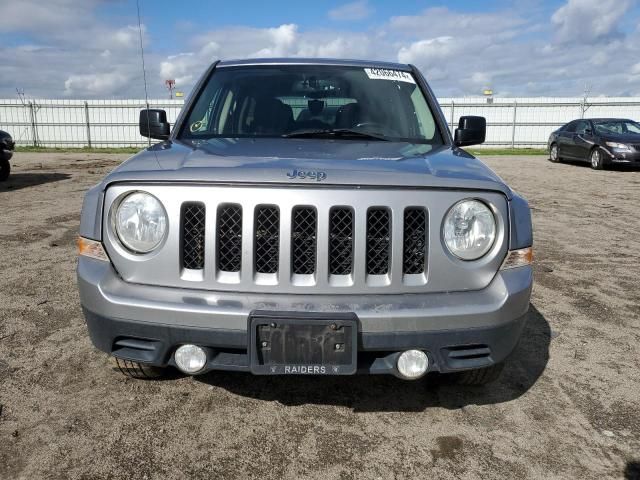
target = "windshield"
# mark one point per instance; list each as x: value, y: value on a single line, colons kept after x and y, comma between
x: 287, y: 100
x: 617, y: 127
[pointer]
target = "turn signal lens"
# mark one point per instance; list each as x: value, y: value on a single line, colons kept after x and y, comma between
x: 518, y: 258
x: 91, y: 248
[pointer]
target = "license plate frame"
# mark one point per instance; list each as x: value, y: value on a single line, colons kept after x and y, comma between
x: 292, y: 335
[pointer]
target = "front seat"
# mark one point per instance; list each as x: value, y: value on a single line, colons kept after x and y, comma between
x: 272, y: 117
x: 348, y: 116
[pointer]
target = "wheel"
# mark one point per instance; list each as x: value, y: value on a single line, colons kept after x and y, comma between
x: 5, y: 169
x: 138, y: 370
x: 554, y: 153
x: 596, y: 159
x: 481, y: 376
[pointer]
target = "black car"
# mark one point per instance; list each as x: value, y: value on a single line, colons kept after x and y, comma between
x: 6, y: 151
x: 599, y: 141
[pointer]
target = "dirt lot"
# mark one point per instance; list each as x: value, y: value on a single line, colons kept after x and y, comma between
x: 568, y: 405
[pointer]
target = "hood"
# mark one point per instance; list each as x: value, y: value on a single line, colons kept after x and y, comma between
x: 632, y: 138
x: 312, y: 162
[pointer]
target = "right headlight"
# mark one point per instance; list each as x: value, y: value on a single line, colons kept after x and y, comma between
x: 140, y: 222
x: 469, y: 229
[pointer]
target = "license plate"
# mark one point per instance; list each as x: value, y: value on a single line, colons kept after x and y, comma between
x: 303, y: 344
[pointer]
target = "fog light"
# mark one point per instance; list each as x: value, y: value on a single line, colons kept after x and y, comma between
x: 190, y: 358
x: 413, y: 364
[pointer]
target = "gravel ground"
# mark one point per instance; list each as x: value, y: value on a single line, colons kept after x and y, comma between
x: 567, y: 407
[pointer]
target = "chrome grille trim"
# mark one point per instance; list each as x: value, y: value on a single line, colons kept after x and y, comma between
x: 229, y: 254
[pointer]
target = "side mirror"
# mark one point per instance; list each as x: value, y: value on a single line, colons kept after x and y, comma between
x: 470, y: 131
x: 153, y: 124
x: 588, y: 131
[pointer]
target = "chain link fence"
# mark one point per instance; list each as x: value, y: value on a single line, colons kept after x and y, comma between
x: 512, y: 122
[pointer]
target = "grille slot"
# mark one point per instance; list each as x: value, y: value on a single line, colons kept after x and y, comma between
x: 267, y: 239
x: 467, y: 356
x: 193, y: 225
x: 341, y: 241
x: 378, y: 241
x: 415, y: 240
x: 303, y: 240
x: 229, y: 235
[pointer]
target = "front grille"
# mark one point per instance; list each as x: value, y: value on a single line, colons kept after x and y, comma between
x: 415, y: 240
x: 335, y: 232
x: 303, y: 241
x: 193, y: 224
x: 267, y: 239
x: 341, y: 241
x: 378, y: 241
x: 229, y: 235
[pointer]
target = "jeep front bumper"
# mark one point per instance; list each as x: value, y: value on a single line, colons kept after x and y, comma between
x: 458, y: 330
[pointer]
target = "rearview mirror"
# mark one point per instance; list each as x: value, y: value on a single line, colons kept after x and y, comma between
x: 471, y: 131
x: 153, y: 124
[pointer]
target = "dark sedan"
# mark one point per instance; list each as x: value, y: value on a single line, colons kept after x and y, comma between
x: 599, y: 141
x: 6, y: 151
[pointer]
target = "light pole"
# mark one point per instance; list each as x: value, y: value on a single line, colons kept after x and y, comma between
x: 170, y: 84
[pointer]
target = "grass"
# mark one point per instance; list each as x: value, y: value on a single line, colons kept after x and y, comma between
x: 507, y: 151
x: 21, y: 148
x: 473, y: 151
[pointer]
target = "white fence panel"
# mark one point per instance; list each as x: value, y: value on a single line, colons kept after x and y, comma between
x: 512, y: 122
x: 527, y: 122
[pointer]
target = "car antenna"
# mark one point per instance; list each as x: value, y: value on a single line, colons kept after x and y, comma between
x: 144, y: 70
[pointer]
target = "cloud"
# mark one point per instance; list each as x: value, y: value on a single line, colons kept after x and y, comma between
x: 353, y: 11
x: 95, y: 83
x: 589, y: 20
x: 284, y: 41
x: 515, y: 52
x: 180, y: 68
x: 440, y: 21
x: 281, y: 40
x: 40, y: 17
x: 427, y: 51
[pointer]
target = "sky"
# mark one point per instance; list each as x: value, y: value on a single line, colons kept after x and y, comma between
x: 90, y: 49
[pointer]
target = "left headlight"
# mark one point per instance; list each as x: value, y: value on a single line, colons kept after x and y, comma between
x: 140, y: 221
x: 469, y: 229
x: 619, y: 147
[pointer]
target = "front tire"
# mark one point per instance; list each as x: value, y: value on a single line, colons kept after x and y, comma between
x: 596, y: 159
x: 554, y: 153
x: 5, y: 169
x: 481, y: 376
x: 139, y: 371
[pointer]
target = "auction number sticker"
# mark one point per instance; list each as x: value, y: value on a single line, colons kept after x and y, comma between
x: 388, y: 74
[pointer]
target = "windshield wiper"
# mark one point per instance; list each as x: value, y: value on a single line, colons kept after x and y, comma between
x: 336, y: 133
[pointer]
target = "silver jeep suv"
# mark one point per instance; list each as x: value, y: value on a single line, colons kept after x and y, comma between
x: 306, y: 217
